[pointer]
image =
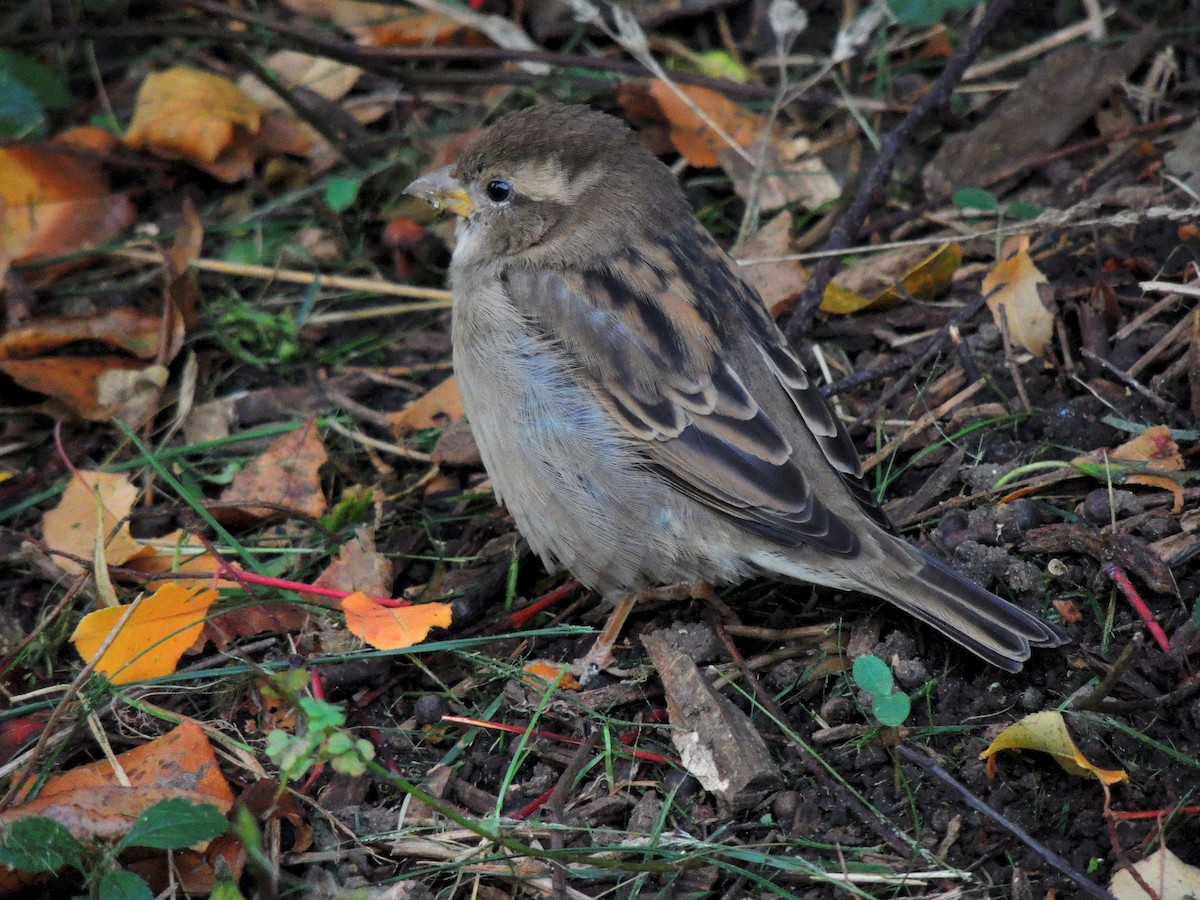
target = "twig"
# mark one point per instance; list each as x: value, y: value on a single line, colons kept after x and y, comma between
x: 438, y: 298
x: 1086, y: 886
x: 1129, y: 381
x: 916, y: 362
x: 1091, y: 700
x: 849, y: 224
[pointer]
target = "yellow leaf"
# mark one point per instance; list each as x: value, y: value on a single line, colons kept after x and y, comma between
x: 392, y: 628
x: 71, y: 526
x: 1047, y: 732
x: 199, y: 117
x: 152, y: 641
x: 874, y: 283
x: 1169, y: 876
x: 1013, y: 291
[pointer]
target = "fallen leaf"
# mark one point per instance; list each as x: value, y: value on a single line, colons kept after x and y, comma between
x: 1168, y: 875
x: 393, y: 628
x: 55, y: 198
x: 126, y: 329
x: 890, y: 278
x: 1014, y: 294
x: 779, y: 282
x: 76, y: 381
x: 199, y: 117
x: 1047, y: 732
x: 358, y: 567
x: 437, y: 408
x: 71, y: 526
x: 181, y: 763
x: 154, y: 638
x: 285, y: 474
x: 420, y: 29
x: 692, y: 137
x: 547, y: 673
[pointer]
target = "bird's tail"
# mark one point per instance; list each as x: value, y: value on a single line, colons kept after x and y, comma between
x: 988, y: 626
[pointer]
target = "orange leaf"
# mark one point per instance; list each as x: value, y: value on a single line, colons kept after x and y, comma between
x: 438, y: 407
x: 54, y: 201
x: 71, y: 526
x: 698, y: 143
x: 421, y: 29
x: 152, y: 641
x: 124, y: 328
x: 387, y: 628
x: 199, y: 117
x: 546, y: 673
x: 98, y: 388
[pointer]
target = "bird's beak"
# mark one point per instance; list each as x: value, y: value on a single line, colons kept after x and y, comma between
x: 441, y: 190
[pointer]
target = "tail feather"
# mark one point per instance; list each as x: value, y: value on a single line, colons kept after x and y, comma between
x: 992, y: 628
x: 930, y: 590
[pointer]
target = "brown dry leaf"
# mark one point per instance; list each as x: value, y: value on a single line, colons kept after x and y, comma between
x: 698, y: 143
x: 346, y: 14
x: 778, y: 282
x: 1168, y: 875
x: 1047, y: 731
x: 1014, y: 292
x: 393, y: 628
x: 199, y: 117
x: 55, y: 198
x: 154, y: 638
x: 890, y: 278
x: 358, y: 567
x: 437, y: 408
x: 72, y: 525
x: 285, y: 474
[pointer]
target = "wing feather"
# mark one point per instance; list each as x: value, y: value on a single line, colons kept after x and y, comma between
x: 653, y: 341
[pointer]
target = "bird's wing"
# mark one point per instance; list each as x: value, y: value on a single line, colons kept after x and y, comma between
x: 652, y: 331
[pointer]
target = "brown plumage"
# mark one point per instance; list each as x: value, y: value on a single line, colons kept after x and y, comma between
x: 639, y: 412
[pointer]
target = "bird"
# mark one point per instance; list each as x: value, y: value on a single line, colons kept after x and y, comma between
x: 638, y: 411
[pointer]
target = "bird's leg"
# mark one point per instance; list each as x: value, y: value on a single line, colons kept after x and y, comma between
x: 600, y: 657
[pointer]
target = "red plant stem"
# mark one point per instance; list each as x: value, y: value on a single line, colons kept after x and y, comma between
x: 1137, y: 814
x: 233, y: 573
x: 521, y: 616
x: 530, y: 808
x: 1121, y: 580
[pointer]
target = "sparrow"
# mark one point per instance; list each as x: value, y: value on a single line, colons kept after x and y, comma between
x: 639, y: 412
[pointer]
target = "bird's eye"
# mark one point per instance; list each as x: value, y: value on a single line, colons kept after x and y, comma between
x: 498, y: 191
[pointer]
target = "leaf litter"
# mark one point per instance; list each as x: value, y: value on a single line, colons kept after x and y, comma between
x: 1046, y: 448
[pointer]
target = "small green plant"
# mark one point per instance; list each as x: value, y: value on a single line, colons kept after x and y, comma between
x: 320, y: 738
x: 987, y: 202
x: 891, y: 707
x: 36, y: 844
x: 254, y: 335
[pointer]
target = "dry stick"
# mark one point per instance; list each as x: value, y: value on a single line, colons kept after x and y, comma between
x: 1091, y: 699
x: 916, y: 362
x: 372, y: 57
x: 1132, y: 383
x: 850, y: 223
x: 1086, y: 886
